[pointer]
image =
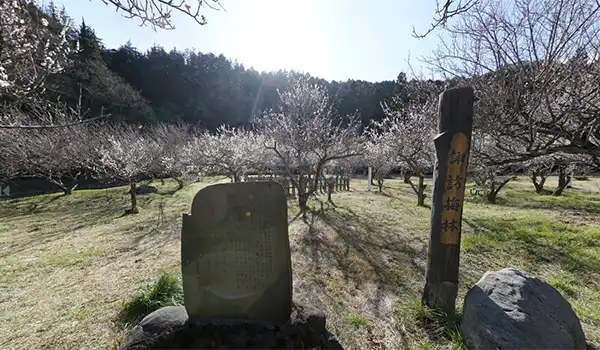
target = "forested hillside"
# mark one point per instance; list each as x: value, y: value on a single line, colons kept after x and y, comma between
x: 180, y: 84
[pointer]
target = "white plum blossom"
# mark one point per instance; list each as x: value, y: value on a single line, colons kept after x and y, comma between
x: 305, y: 136
x: 175, y: 156
x: 31, y: 50
x: 380, y: 156
x: 407, y: 134
x: 232, y: 151
x: 128, y: 155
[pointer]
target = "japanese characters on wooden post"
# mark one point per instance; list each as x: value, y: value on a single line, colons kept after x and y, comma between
x: 452, y: 146
x: 454, y: 193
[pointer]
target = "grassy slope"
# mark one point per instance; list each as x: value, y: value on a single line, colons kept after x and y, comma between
x: 68, y: 263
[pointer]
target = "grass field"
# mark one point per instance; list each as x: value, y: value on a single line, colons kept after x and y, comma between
x: 69, y: 263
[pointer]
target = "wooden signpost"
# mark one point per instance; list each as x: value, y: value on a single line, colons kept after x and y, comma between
x: 452, y: 146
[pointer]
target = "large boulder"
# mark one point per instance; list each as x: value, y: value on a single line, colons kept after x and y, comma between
x: 170, y: 328
x: 509, y: 309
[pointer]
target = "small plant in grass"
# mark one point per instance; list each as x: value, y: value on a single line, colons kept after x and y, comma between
x: 117, y: 341
x: 358, y: 321
x: 565, y: 283
x: 416, y: 318
x: 165, y: 291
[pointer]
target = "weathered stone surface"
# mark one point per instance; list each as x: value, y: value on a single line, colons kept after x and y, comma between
x: 170, y: 328
x: 235, y: 253
x: 146, y: 189
x: 509, y: 309
x: 157, y: 327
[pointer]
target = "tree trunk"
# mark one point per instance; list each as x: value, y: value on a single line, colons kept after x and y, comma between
x: 162, y: 181
x: 534, y: 180
x: 68, y: 190
x: 562, y: 181
x: 380, y: 184
x: 302, y: 195
x: 539, y: 185
x: 302, y: 200
x: 235, y: 178
x: 491, y: 197
x: 406, y: 177
x: 134, y: 208
x: 330, y: 185
x: 421, y: 193
x: 179, y: 184
x: 493, y: 194
x: 419, y: 190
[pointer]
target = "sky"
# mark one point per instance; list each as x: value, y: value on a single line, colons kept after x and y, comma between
x: 331, y: 39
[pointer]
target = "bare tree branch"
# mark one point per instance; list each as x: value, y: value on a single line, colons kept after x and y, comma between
x: 444, y: 12
x: 157, y: 13
x: 535, y: 69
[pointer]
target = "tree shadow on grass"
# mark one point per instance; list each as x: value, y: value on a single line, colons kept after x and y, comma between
x: 28, y: 205
x: 56, y: 217
x: 294, y: 218
x: 386, y: 194
x: 366, y: 248
x: 316, y: 240
x: 40, y: 205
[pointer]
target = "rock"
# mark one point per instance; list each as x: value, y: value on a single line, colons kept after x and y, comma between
x: 156, y: 327
x: 146, y: 189
x: 170, y: 328
x: 509, y: 309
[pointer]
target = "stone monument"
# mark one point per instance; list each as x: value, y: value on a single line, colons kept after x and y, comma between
x: 235, y: 253
x: 237, y: 279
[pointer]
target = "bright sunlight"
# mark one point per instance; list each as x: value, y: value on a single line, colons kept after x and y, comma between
x: 281, y: 34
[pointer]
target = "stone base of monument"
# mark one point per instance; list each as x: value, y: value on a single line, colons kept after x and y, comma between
x: 170, y: 328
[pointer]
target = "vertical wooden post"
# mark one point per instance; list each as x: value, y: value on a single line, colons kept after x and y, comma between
x: 370, y: 179
x: 452, y: 146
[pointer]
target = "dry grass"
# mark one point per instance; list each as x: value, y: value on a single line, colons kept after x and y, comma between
x: 67, y: 264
